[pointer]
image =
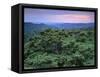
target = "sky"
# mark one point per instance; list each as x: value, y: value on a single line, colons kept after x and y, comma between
x: 57, y: 16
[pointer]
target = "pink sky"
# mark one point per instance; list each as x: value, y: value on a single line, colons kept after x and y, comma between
x: 58, y: 16
x: 76, y: 18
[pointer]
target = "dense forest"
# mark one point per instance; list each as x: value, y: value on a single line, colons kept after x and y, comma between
x: 58, y: 48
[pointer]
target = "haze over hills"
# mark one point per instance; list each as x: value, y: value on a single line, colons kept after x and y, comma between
x: 72, y: 25
x: 37, y: 27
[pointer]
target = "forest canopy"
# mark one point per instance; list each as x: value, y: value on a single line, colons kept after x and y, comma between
x: 59, y: 48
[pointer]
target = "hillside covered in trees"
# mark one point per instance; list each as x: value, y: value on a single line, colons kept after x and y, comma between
x: 51, y: 48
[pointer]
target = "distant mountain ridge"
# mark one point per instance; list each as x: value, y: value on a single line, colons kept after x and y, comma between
x: 29, y: 27
x: 72, y: 25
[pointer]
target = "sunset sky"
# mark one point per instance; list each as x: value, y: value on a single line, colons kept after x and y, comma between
x: 57, y: 16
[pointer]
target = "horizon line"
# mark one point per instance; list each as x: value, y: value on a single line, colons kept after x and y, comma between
x: 57, y: 22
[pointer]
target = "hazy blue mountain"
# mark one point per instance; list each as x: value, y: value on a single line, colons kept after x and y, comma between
x: 35, y: 27
x: 72, y: 25
x: 29, y: 27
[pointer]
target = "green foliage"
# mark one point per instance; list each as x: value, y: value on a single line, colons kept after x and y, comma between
x: 59, y: 48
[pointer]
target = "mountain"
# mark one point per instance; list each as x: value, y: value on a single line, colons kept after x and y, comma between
x: 72, y: 25
x: 29, y: 27
x: 35, y: 27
